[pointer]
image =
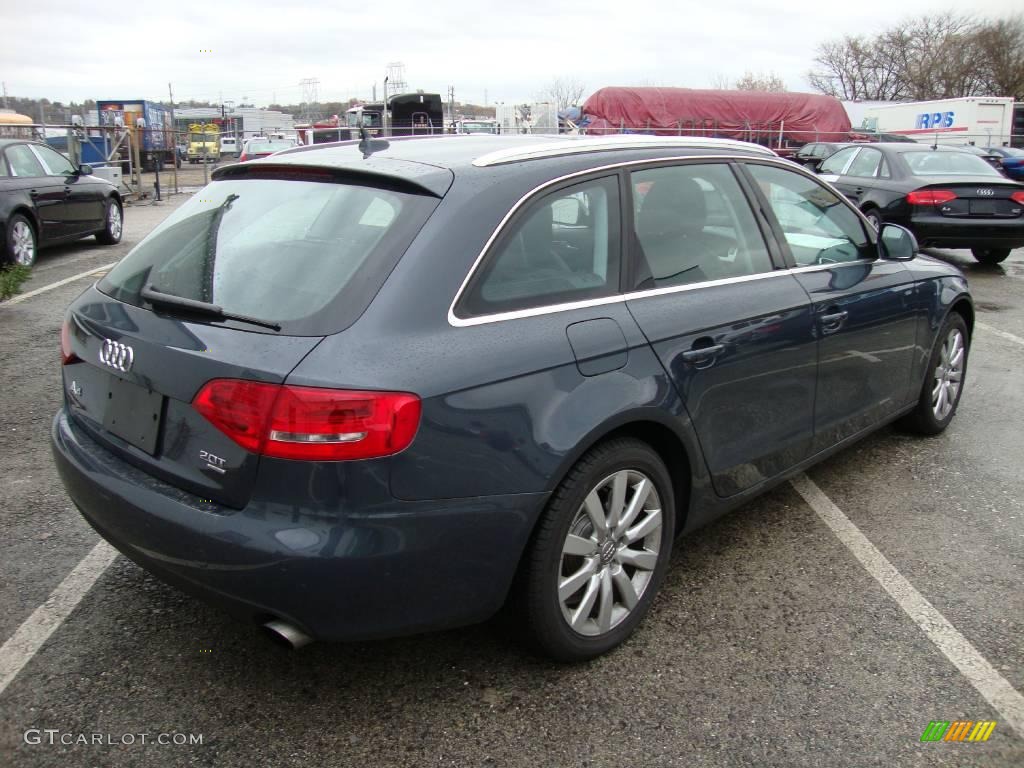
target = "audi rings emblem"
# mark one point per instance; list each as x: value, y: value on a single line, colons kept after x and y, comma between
x: 117, y: 355
x: 985, y: 192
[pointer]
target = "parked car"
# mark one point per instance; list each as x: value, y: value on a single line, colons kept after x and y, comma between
x: 947, y: 197
x: 812, y: 155
x: 351, y: 394
x: 1011, y: 159
x: 228, y: 146
x: 45, y: 200
x: 992, y: 158
x: 261, y: 146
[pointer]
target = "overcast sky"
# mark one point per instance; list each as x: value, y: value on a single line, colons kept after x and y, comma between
x: 259, y: 51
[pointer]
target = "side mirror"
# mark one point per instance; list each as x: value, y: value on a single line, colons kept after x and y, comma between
x: 84, y: 170
x: 896, y: 243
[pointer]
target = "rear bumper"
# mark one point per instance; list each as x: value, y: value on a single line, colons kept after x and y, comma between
x: 946, y: 232
x: 410, y: 567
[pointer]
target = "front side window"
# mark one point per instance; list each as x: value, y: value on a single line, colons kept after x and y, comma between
x: 56, y: 164
x: 3, y: 166
x: 694, y: 224
x: 818, y: 226
x: 23, y: 162
x: 564, y: 248
x: 838, y: 161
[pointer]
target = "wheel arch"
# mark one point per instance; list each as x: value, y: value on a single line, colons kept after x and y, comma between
x: 963, y: 307
x: 28, y: 213
x: 651, y: 428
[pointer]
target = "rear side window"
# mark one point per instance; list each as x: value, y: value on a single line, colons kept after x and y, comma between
x: 564, y: 248
x: 693, y: 224
x: 23, y: 161
x: 307, y: 255
x: 838, y: 161
x: 866, y: 163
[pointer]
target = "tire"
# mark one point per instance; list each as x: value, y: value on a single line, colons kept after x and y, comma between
x: 113, y: 226
x: 21, y: 246
x: 872, y: 215
x: 599, y: 607
x: 928, y: 418
x: 990, y: 255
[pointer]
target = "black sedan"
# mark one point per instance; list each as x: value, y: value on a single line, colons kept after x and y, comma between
x: 814, y: 154
x: 45, y: 199
x: 947, y: 197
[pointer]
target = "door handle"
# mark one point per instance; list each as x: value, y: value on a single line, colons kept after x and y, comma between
x: 702, y: 354
x: 832, y: 321
x: 33, y: 194
x: 834, y: 317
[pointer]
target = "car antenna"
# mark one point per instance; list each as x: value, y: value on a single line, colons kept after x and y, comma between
x: 367, y: 144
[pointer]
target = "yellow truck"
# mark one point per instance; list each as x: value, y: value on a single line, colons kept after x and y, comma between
x: 203, y: 143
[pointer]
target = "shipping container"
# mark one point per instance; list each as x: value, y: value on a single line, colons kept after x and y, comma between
x: 155, y: 136
x: 983, y: 121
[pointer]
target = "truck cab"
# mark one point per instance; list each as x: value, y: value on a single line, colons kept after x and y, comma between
x: 203, y: 143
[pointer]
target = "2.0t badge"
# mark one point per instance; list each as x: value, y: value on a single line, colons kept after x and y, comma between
x: 117, y: 355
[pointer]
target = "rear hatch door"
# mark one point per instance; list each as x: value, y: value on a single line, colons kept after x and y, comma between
x: 241, y: 282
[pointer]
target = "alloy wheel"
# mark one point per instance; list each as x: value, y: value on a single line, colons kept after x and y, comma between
x: 610, y: 553
x: 23, y: 243
x: 114, y: 221
x: 948, y: 374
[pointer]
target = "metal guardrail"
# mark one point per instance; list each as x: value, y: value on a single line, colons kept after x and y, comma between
x: 784, y: 140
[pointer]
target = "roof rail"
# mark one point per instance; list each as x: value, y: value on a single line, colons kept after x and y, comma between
x: 570, y: 145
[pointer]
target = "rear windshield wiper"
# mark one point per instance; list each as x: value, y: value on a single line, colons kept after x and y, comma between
x: 154, y: 296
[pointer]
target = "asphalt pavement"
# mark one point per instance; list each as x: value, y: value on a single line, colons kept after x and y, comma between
x: 770, y: 644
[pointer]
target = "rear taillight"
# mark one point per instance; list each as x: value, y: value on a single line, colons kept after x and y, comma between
x: 1018, y: 197
x: 930, y: 197
x: 67, y: 354
x: 310, y: 423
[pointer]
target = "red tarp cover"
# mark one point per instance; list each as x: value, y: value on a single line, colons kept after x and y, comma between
x: 803, y: 117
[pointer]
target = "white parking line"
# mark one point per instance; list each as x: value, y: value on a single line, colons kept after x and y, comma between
x: 30, y: 636
x: 999, y: 332
x: 1003, y: 697
x: 23, y: 296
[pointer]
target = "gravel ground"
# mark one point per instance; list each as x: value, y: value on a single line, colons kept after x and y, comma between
x: 768, y: 645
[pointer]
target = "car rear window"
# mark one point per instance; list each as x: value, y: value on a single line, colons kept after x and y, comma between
x: 931, y: 163
x: 306, y: 255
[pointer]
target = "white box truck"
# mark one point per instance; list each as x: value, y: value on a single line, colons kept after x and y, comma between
x: 985, y: 121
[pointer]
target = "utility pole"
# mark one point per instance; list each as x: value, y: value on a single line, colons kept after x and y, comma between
x: 5, y: 95
x: 174, y: 140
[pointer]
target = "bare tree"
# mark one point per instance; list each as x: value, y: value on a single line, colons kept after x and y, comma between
x: 761, y: 81
x: 933, y: 57
x: 1003, y: 71
x: 564, y: 93
x: 721, y: 82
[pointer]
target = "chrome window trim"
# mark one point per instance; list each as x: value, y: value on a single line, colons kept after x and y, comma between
x: 460, y: 322
x: 569, y: 146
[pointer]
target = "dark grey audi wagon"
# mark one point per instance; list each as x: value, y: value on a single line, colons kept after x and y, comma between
x: 370, y: 389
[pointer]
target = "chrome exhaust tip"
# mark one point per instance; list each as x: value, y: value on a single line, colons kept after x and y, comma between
x: 287, y: 634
